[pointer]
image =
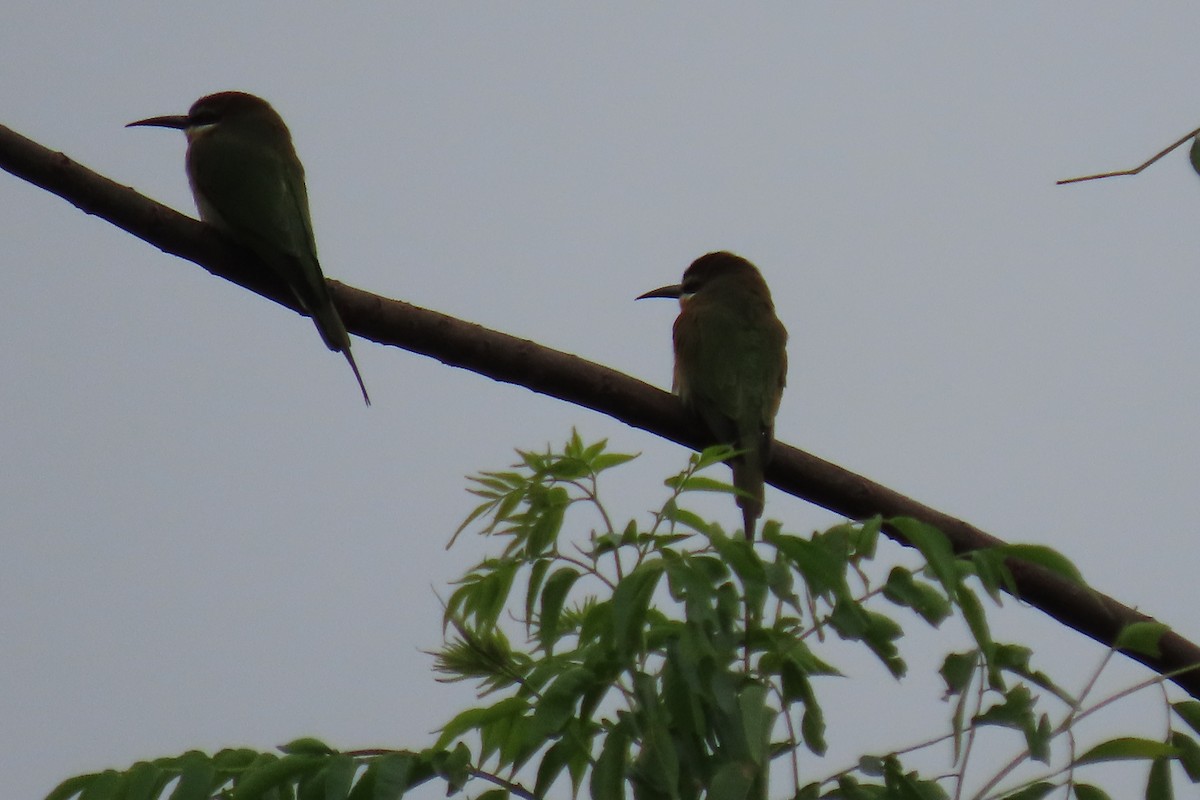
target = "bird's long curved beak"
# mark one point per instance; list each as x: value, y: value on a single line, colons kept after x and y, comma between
x: 177, y: 121
x: 674, y: 291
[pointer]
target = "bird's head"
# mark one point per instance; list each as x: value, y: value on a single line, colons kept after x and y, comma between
x: 226, y: 111
x: 714, y: 275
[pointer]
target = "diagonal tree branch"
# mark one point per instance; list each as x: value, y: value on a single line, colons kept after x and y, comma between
x: 567, y: 377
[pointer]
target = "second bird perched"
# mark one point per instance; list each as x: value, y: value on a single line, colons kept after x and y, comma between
x: 249, y: 183
x: 730, y: 364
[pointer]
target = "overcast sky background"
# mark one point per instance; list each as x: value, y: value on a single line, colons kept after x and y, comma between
x: 209, y: 541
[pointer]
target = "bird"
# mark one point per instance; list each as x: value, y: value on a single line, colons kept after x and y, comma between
x: 248, y: 182
x: 730, y: 364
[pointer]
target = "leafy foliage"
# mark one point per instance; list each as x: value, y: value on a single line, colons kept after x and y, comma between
x: 672, y: 660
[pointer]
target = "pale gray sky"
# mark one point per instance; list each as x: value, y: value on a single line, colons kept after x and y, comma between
x: 208, y: 540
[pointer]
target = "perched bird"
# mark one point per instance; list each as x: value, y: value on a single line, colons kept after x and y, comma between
x: 730, y: 364
x: 248, y: 182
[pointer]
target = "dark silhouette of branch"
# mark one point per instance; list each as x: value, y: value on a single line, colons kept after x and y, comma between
x: 567, y: 377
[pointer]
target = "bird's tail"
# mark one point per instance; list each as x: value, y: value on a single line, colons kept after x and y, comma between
x: 333, y: 331
x: 357, y: 376
x: 748, y: 477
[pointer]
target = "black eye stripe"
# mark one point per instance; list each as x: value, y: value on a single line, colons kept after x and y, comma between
x: 203, y: 116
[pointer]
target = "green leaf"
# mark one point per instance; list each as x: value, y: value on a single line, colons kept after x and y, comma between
x: 339, y: 777
x: 757, y: 719
x: 609, y: 460
x: 559, y: 702
x: 1038, y: 740
x: 1158, y: 783
x: 454, y: 766
x: 364, y: 787
x: 567, y: 469
x: 796, y: 686
x: 700, y: 483
x: 1086, y: 791
x: 549, y: 510
x: 388, y: 776
x: 1015, y: 711
x: 553, y: 597
x: 870, y: 765
x: 312, y: 786
x: 957, y: 669
x: 483, y: 655
x: 144, y: 781
x: 877, y: 631
x: 630, y: 534
x: 809, y: 791
x: 608, y: 776
x: 976, y: 619
x: 476, y: 718
x: 1189, y: 712
x: 1189, y: 754
x: 505, y: 508
x: 1015, y: 658
x: 307, y: 745
x: 629, y: 604
x: 709, y: 456
x: 866, y: 537
x: 255, y: 783
x: 234, y: 759
x: 812, y: 729
x: 557, y: 757
x: 72, y: 786
x: 850, y: 789
x: 1035, y: 791
x: 909, y: 785
x: 732, y: 781
x: 742, y: 558
x: 103, y: 786
x: 658, y: 763
x: 1126, y: 748
x: 537, y: 574
x: 934, y: 546
x: 1046, y: 557
x: 515, y: 740
x: 484, y: 592
x: 1141, y: 637
x: 780, y: 580
x: 198, y: 775
x: 992, y: 570
x: 824, y: 570
x: 903, y: 590
x: 680, y: 516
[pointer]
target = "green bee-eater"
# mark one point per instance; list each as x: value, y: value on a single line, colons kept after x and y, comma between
x: 248, y: 182
x: 731, y: 364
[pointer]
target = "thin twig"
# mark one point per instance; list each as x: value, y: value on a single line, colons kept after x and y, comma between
x: 513, y: 788
x: 1133, y: 171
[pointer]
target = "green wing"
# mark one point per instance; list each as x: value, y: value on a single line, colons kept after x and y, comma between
x: 732, y: 372
x: 257, y: 193
x: 730, y: 369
